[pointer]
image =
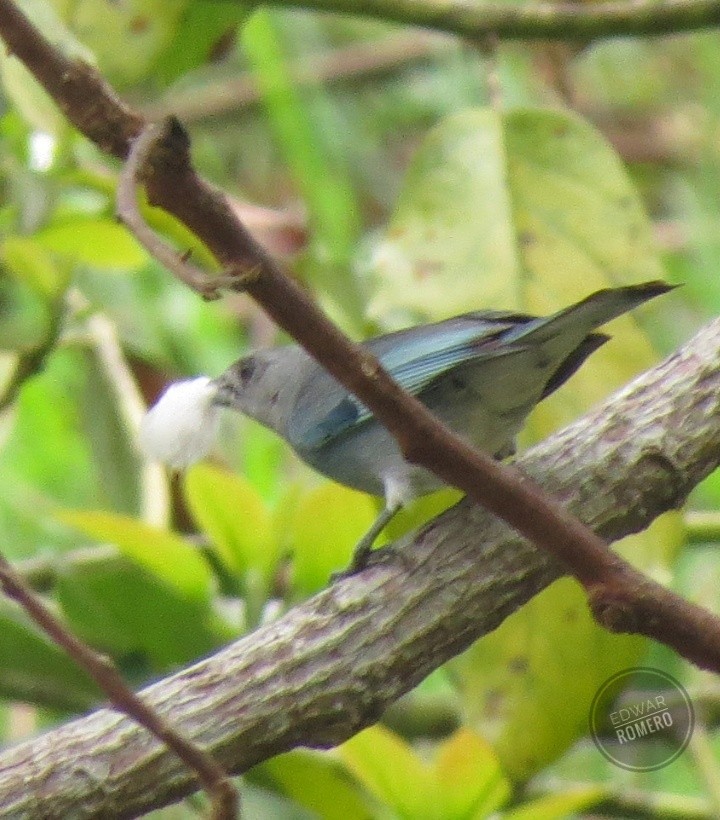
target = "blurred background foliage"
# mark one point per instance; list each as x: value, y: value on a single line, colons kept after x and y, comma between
x: 402, y: 176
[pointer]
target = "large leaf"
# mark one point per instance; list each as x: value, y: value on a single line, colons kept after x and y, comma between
x: 529, y: 209
x: 125, y: 38
x: 539, y: 668
x: 93, y: 241
x: 130, y: 613
x: 25, y: 319
x: 326, y: 525
x: 31, y: 263
x: 463, y: 781
x: 390, y: 769
x: 470, y: 781
x: 36, y: 478
x: 201, y: 27
x: 166, y: 555
x: 558, y: 806
x: 319, y: 783
x: 112, y: 444
x: 230, y: 511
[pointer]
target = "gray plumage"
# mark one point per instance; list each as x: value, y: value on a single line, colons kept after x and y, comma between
x: 481, y: 373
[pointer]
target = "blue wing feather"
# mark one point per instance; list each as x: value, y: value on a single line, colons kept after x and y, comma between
x: 414, y: 358
x: 549, y: 350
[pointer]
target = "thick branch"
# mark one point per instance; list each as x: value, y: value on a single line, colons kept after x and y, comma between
x: 533, y: 21
x: 332, y: 665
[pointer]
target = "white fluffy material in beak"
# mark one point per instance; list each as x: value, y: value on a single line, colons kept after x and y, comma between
x: 182, y: 426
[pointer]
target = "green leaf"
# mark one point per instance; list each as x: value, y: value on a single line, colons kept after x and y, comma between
x: 126, y: 38
x: 421, y: 511
x: 129, y: 612
x: 31, y: 263
x: 112, y: 444
x: 544, y: 664
x: 389, y: 768
x: 530, y: 209
x: 94, y: 241
x: 327, y: 524
x: 46, y: 461
x: 470, y: 781
x: 94, y: 466
x: 35, y: 670
x: 199, y: 30
x: 230, y: 511
x: 25, y: 319
x: 165, y: 555
x: 540, y: 668
x: 558, y: 806
x: 464, y: 780
x: 317, y: 782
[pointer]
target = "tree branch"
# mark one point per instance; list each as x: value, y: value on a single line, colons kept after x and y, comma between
x: 333, y: 664
x: 533, y: 21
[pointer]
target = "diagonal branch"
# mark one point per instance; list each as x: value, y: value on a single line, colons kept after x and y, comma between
x: 333, y: 664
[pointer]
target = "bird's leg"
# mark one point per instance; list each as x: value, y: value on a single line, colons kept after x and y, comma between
x: 364, y: 548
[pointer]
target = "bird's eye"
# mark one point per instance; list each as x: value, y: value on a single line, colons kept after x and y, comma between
x: 247, y: 368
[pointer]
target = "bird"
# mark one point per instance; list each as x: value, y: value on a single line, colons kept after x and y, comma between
x: 481, y: 373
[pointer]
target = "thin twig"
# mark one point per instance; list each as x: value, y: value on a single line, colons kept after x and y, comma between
x: 103, y: 672
x: 203, y: 282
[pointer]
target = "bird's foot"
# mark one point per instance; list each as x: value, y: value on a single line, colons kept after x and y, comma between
x: 363, y: 554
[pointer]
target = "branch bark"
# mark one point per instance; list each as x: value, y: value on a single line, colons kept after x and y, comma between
x: 533, y: 21
x: 332, y: 665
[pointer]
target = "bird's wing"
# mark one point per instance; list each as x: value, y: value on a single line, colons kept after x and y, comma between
x: 415, y: 358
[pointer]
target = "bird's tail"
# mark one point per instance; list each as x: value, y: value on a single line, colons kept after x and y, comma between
x: 582, y: 318
x: 567, y: 337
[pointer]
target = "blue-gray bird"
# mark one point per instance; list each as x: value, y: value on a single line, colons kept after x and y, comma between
x: 481, y: 373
